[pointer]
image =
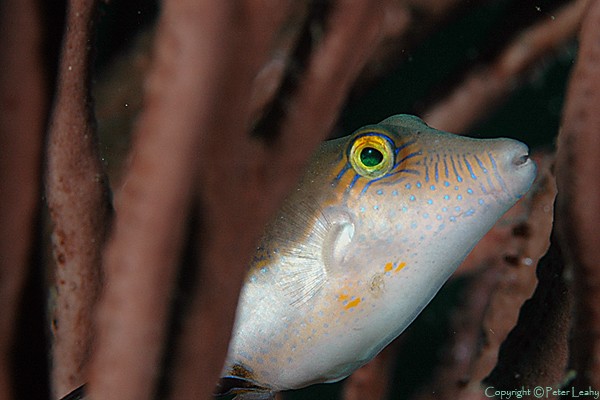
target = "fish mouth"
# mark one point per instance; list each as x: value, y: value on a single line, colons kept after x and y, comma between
x: 519, y: 169
x: 520, y: 160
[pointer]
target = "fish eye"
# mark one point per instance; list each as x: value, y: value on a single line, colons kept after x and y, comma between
x: 372, y: 155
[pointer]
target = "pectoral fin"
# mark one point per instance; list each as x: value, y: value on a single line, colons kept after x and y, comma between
x: 310, y: 241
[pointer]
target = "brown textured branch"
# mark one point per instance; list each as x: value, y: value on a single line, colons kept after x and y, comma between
x: 351, y: 30
x: 485, y: 86
x: 194, y: 137
x: 77, y: 195
x: 578, y: 168
x: 536, y: 351
x: 22, y: 114
x: 407, y: 23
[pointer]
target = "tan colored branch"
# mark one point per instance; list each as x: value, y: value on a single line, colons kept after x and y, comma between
x: 77, y: 195
x: 22, y: 114
x: 486, y: 86
x: 578, y: 174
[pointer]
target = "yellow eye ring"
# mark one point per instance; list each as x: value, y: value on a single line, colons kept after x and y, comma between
x: 372, y: 155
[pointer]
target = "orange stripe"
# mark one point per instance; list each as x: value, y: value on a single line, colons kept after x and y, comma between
x: 353, y: 303
x: 400, y: 266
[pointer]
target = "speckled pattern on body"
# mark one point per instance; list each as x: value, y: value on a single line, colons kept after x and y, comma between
x: 378, y: 223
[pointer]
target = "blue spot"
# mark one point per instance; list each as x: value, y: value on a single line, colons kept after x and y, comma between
x: 375, y: 207
x: 362, y: 209
x: 470, y: 212
x: 457, y: 208
x: 412, y: 198
x: 380, y: 191
x: 407, y: 186
x: 444, y: 209
x: 438, y: 217
x: 455, y: 187
x: 413, y: 225
x: 470, y: 191
x: 459, y: 197
x: 418, y: 184
x: 446, y: 197
x: 404, y: 209
x: 425, y: 215
x: 263, y: 270
x: 432, y: 187
x: 480, y: 201
x: 429, y: 201
x: 394, y: 193
x: 446, y: 183
x: 452, y: 219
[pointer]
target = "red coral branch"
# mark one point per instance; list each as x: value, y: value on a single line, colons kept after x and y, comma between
x: 578, y: 168
x: 22, y: 114
x: 77, y: 195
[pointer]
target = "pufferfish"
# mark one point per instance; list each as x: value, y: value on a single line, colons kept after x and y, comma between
x: 378, y: 223
x: 375, y: 227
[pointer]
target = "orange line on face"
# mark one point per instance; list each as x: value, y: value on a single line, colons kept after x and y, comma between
x: 353, y: 303
x: 400, y: 266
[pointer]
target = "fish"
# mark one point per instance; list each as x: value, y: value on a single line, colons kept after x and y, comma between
x: 377, y: 224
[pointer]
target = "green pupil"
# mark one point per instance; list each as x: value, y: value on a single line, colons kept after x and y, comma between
x: 370, y: 157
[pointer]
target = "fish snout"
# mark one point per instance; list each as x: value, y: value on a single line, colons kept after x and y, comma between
x: 515, y: 165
